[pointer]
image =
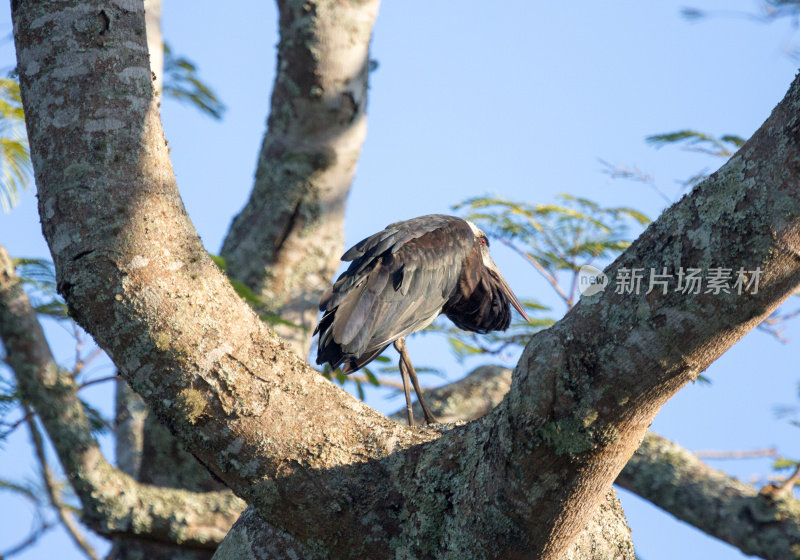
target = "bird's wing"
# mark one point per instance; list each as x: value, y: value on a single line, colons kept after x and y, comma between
x: 397, y: 283
x: 479, y: 304
x: 368, y: 252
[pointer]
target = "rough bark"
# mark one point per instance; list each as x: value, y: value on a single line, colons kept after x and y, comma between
x: 521, y: 481
x: 113, y: 503
x: 606, y: 536
x: 286, y: 242
x: 662, y: 472
x: 145, y: 448
x: 466, y: 399
x: 130, y: 408
x: 675, y: 480
x: 65, y: 514
x: 165, y: 464
x: 129, y: 417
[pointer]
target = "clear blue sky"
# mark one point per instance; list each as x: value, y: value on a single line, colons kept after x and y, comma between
x: 519, y: 99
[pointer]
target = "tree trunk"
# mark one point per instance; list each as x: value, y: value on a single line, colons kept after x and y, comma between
x: 520, y: 482
x: 286, y: 242
x: 145, y: 448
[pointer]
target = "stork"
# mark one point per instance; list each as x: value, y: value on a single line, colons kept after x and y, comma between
x: 399, y: 280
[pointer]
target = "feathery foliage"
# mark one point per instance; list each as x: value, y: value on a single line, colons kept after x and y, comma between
x: 555, y: 239
x: 39, y: 277
x: 724, y: 146
x: 182, y: 82
x: 15, y: 160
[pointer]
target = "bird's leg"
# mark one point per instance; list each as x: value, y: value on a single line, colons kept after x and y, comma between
x: 405, y: 363
x: 404, y: 374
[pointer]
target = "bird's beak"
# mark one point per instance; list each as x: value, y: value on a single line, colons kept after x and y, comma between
x: 489, y: 263
x: 514, y: 301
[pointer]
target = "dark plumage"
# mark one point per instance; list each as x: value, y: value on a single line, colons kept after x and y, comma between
x: 401, y: 279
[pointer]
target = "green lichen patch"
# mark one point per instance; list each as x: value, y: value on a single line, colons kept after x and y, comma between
x: 192, y: 404
x: 162, y: 340
x: 567, y: 436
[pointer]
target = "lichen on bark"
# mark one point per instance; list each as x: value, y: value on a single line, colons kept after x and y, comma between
x: 310, y: 458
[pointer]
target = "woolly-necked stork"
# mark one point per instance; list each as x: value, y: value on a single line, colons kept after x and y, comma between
x: 399, y: 281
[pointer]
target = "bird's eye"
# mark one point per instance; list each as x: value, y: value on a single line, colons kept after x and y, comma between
x: 484, y: 241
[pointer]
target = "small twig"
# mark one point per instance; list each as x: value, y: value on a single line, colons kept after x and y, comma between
x: 81, y: 363
x: 792, y: 480
x: 31, y: 539
x: 574, y: 284
x: 98, y: 380
x: 547, y: 276
x: 54, y: 494
x: 78, y: 347
x: 14, y: 426
x: 14, y: 487
x: 768, y: 325
x: 776, y: 318
x: 383, y: 382
x: 553, y: 245
x: 777, y: 332
x: 615, y: 171
x: 783, y: 489
x: 745, y: 454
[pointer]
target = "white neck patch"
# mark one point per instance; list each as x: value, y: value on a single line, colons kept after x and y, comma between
x: 476, y: 232
x: 485, y: 257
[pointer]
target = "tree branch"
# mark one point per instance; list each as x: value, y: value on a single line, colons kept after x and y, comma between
x: 586, y: 389
x: 675, y: 480
x: 113, y: 503
x: 606, y: 534
x: 522, y: 480
x: 286, y: 242
x: 662, y: 472
x: 55, y: 495
x: 210, y: 369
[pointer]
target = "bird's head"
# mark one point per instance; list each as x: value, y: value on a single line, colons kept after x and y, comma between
x: 482, y: 242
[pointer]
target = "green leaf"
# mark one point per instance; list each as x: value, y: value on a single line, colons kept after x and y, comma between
x: 737, y: 141
x: 556, y: 237
x: 782, y: 463
x: 461, y: 349
x: 182, y: 82
x: 660, y: 140
x: 245, y: 292
x: 39, y: 275
x: 96, y: 422
x: 56, y: 309
x: 219, y: 261
x: 16, y: 170
x: 699, y: 141
x: 276, y: 320
x: 371, y: 377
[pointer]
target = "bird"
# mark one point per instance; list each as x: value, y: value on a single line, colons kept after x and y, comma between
x: 398, y: 281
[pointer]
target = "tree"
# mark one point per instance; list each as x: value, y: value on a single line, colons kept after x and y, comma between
x: 214, y: 373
